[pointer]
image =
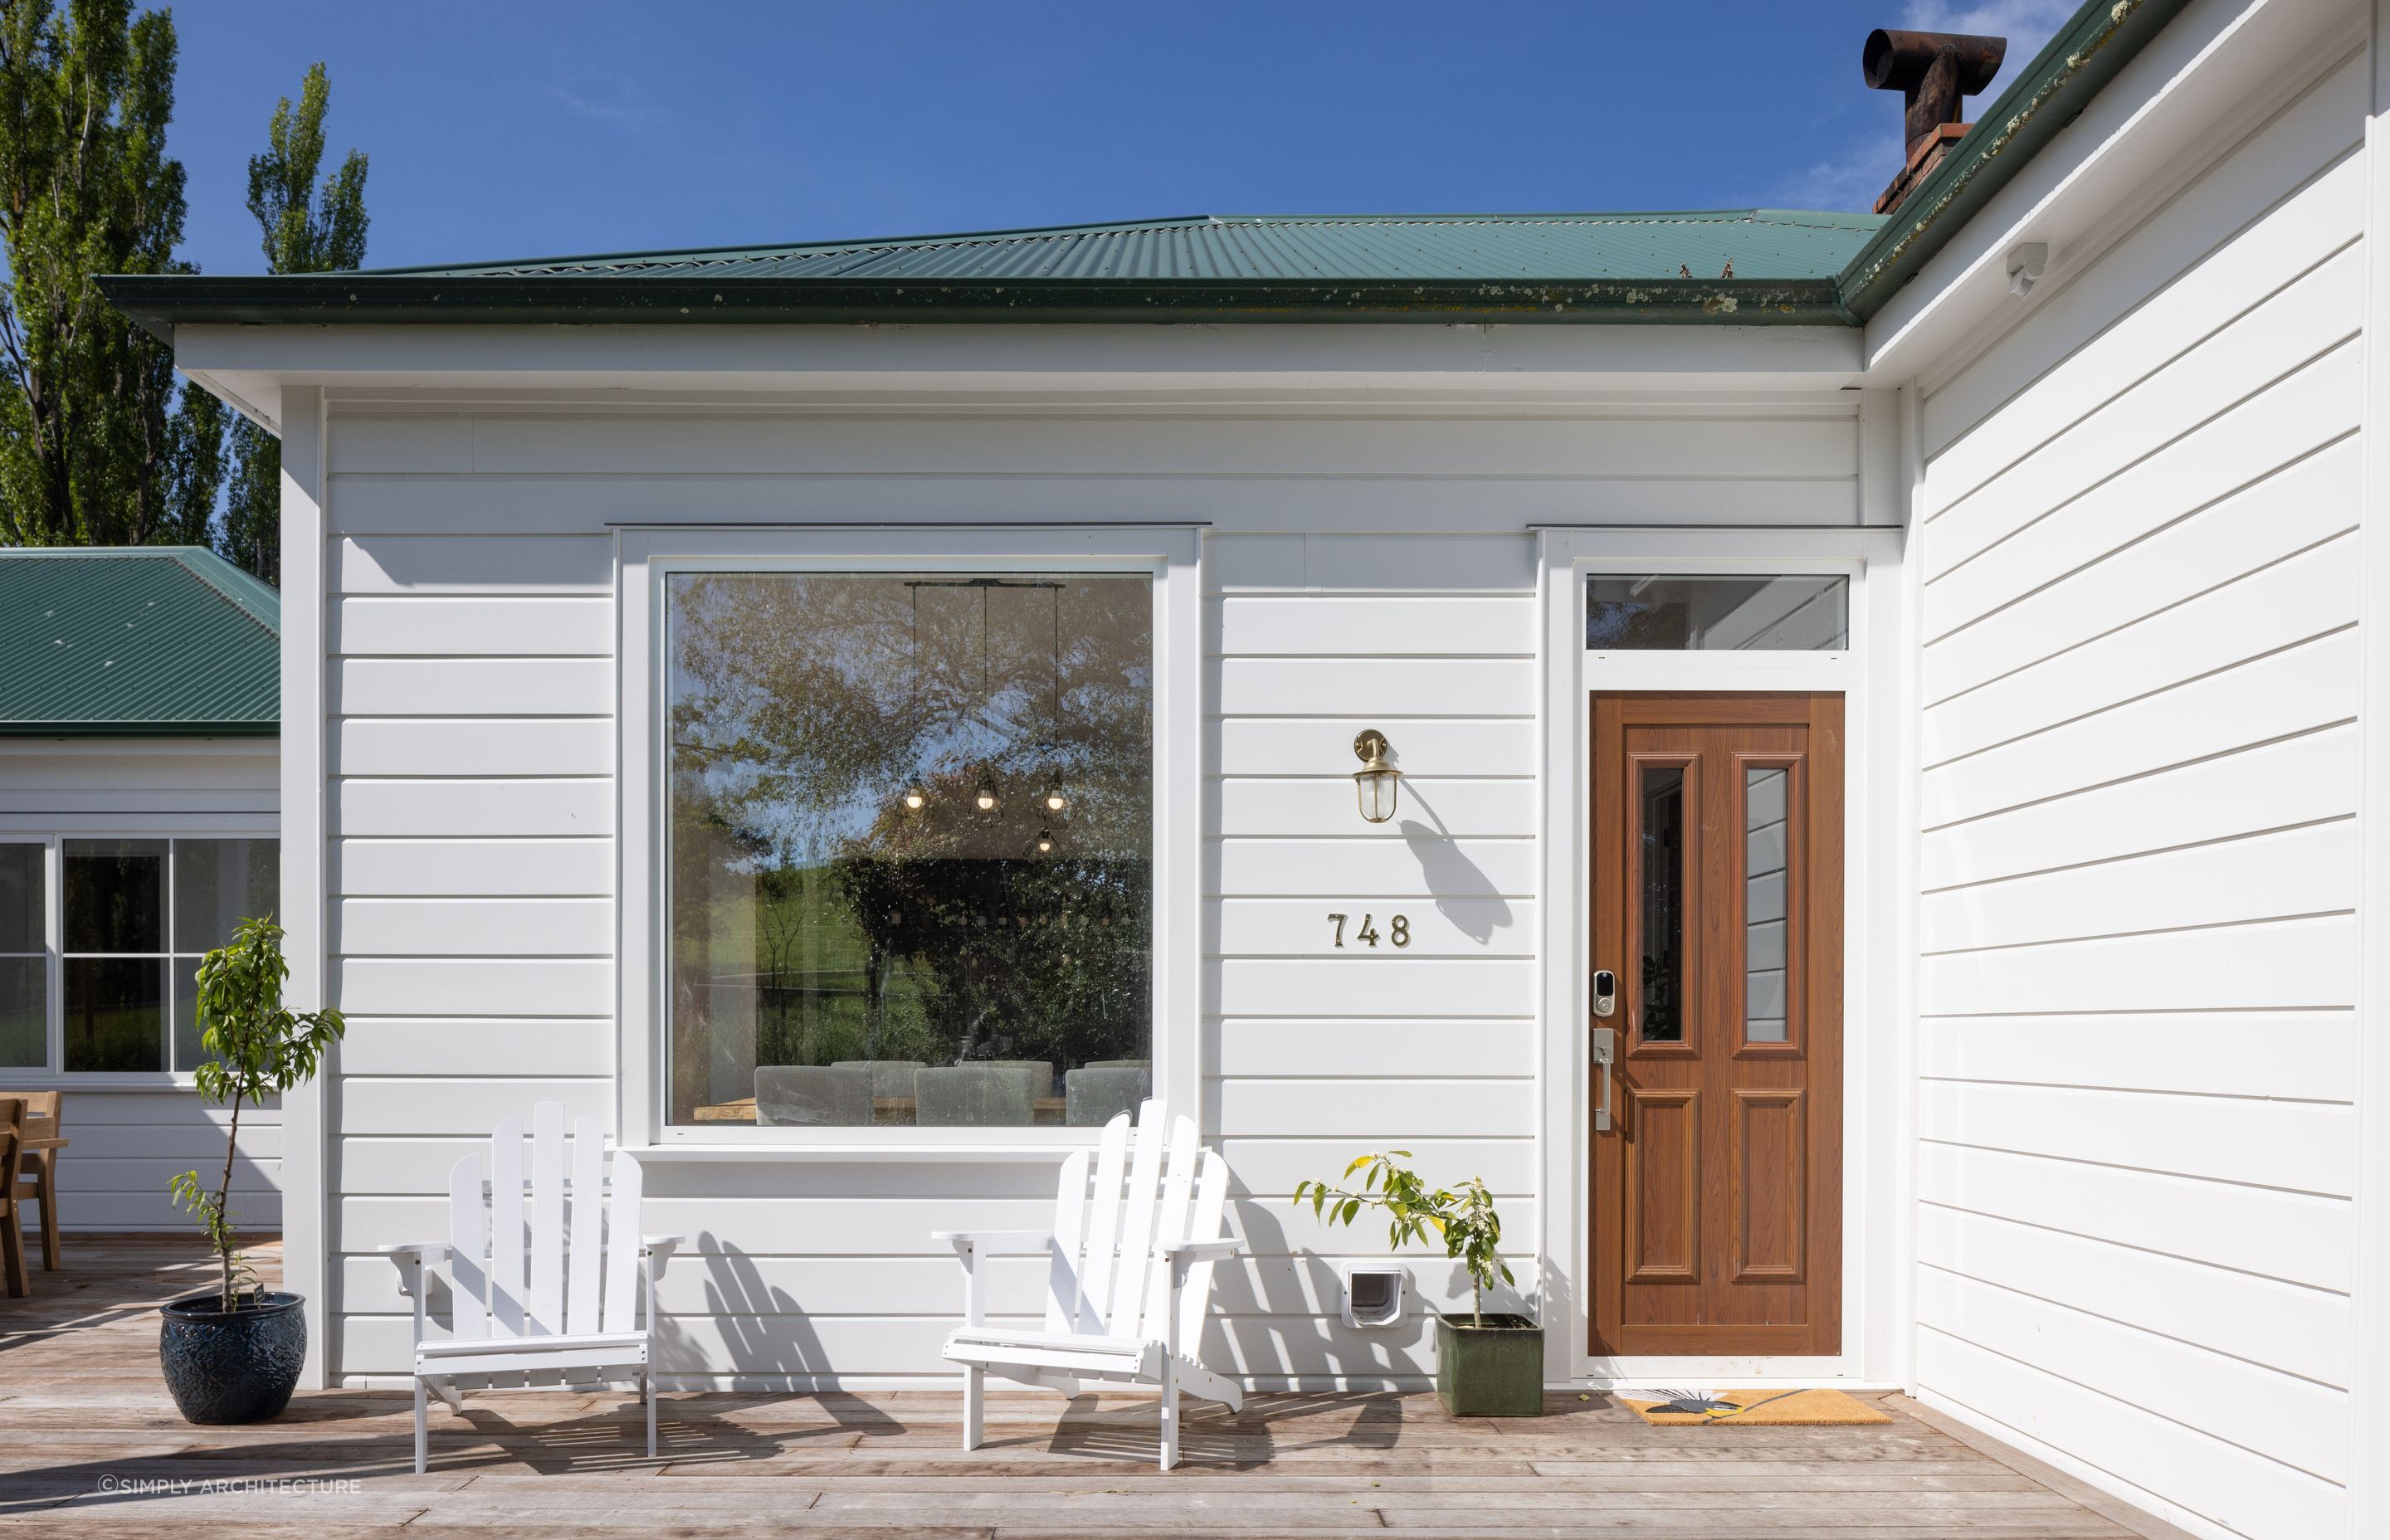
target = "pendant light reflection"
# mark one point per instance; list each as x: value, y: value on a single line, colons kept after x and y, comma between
x: 1055, y: 801
x: 986, y: 796
x: 1044, y: 841
x: 1376, y: 783
x: 916, y: 799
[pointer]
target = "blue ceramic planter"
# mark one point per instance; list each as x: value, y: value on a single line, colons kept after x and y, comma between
x: 240, y: 1367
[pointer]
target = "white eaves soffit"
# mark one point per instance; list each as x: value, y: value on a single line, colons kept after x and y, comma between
x: 254, y: 364
x: 2204, y: 82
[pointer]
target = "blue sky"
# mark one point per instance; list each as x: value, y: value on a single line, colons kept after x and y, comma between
x: 510, y: 129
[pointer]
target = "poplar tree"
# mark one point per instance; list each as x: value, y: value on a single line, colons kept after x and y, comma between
x: 98, y: 444
x: 307, y: 229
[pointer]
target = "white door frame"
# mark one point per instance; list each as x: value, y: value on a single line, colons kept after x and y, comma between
x: 1878, y: 899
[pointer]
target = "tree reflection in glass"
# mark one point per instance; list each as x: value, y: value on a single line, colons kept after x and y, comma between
x: 820, y: 921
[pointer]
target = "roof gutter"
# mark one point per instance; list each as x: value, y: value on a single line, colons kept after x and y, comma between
x: 160, y: 303
x: 140, y: 729
x: 2048, y: 93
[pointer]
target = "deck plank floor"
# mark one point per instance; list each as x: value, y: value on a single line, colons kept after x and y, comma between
x: 91, y: 1448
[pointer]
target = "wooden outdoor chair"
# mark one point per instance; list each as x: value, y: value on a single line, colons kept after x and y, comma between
x: 12, y: 1229
x: 1129, y: 1283
x: 560, y: 1323
x: 36, y: 1181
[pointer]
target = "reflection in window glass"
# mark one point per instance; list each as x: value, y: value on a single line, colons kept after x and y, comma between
x: 115, y: 1014
x: 115, y: 895
x: 910, y: 825
x: 1662, y: 921
x: 1653, y: 612
x: 25, y: 960
x: 218, y: 883
x: 1764, y: 846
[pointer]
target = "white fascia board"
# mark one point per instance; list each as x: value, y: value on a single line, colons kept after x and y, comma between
x: 254, y: 363
x: 2195, y: 74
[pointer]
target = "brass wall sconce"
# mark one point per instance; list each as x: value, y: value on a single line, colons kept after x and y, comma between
x: 1375, y: 783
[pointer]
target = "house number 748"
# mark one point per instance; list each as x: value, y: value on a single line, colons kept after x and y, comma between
x: 1398, y: 928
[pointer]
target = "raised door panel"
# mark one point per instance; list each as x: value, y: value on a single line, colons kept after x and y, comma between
x: 1663, y: 1170
x: 1769, y: 1168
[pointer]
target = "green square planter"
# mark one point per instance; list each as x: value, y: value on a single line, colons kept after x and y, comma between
x: 1493, y: 1370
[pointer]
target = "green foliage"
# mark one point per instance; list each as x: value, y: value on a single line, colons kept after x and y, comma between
x: 97, y: 443
x: 305, y: 229
x: 258, y: 1049
x: 1464, y: 1220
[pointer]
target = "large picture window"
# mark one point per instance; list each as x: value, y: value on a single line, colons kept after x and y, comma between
x: 909, y: 827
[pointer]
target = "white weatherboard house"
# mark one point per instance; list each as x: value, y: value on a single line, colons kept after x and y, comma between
x: 138, y: 787
x: 851, y: 718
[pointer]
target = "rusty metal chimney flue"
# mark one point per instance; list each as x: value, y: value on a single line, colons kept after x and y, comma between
x: 1934, y: 72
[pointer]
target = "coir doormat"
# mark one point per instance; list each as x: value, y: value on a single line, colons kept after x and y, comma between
x: 1751, y: 1409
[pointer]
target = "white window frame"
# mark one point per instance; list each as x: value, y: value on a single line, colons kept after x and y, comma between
x: 1870, y: 674
x: 54, y: 842
x: 647, y: 556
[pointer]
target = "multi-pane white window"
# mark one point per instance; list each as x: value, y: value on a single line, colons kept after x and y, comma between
x: 132, y: 917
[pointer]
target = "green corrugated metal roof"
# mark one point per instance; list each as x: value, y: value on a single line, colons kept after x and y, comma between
x: 137, y: 641
x: 1760, y: 243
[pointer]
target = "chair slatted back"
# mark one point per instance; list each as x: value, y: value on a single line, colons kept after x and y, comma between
x: 12, y: 1117
x: 530, y: 1251
x: 1146, y: 1187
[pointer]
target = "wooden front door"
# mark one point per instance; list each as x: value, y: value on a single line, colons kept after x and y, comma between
x: 1718, y: 906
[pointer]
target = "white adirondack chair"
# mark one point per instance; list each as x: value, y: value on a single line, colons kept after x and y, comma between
x: 1130, y: 1277
x: 518, y: 1329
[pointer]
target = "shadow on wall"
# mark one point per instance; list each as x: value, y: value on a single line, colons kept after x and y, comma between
x: 1463, y: 893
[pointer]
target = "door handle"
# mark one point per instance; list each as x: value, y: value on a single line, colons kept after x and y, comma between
x: 1605, y: 1050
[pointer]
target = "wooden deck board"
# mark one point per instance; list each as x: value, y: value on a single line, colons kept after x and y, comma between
x: 94, y: 1450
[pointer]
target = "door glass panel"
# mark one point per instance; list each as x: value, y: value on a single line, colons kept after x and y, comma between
x: 1654, y: 612
x: 1764, y: 846
x: 1661, y: 795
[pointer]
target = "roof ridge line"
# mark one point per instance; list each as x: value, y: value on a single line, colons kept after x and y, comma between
x: 180, y: 556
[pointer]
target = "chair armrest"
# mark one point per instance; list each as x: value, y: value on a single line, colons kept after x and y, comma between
x: 990, y: 1240
x: 661, y: 1247
x: 1202, y: 1250
x: 420, y: 1252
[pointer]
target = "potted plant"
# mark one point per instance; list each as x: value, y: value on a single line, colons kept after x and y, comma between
x: 233, y: 1354
x: 1486, y: 1366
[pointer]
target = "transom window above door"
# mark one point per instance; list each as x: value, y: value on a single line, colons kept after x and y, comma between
x: 910, y: 830
x: 1709, y: 612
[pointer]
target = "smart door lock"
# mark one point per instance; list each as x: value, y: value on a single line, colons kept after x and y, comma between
x: 1605, y: 991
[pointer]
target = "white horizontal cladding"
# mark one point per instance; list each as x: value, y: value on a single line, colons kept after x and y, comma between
x: 464, y: 1105
x: 2305, y: 686
x: 2142, y: 1449
x: 512, y: 625
x: 484, y: 746
x: 1307, y: 686
x: 475, y: 986
x: 472, y: 686
x: 1360, y: 503
x: 2307, y: 870
x: 2295, y: 1055
x: 2295, y: 1236
x: 1456, y: 809
x: 1446, y: 565
x: 127, y: 1146
x: 2303, y: 505
x: 1246, y: 1045
x: 1349, y: 986
x: 1408, y: 859
x: 2309, y: 317
x: 2298, y: 1146
x: 1322, y: 744
x: 2276, y: 201
x: 1331, y: 625
x: 1269, y: 1168
x: 467, y: 867
x: 2302, y: 779
x: 2304, y: 1332
x: 574, y: 1046
x: 2300, y: 1424
x: 2295, y: 600
x: 498, y: 808
x: 1450, y: 925
x: 1581, y: 445
x: 473, y: 563
x: 2281, y: 422
x: 1373, y: 1108
x: 2307, y: 963
x: 80, y: 778
x: 474, y: 927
